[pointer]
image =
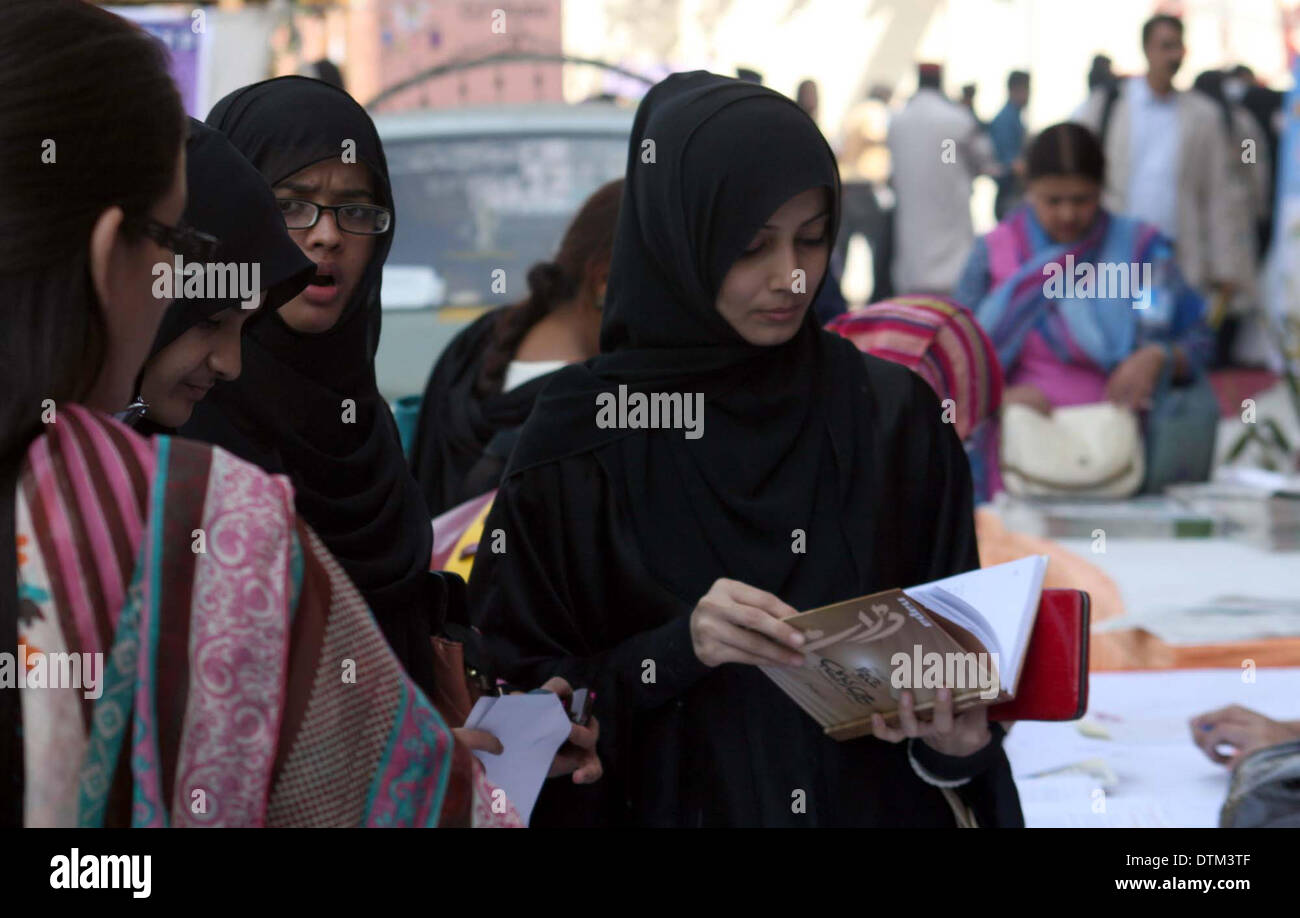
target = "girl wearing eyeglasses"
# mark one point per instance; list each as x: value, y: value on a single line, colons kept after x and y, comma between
x: 306, y: 403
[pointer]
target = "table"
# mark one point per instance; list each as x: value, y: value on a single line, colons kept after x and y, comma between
x: 1160, y: 777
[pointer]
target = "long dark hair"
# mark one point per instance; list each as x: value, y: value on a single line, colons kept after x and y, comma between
x: 89, y: 119
x: 588, y: 241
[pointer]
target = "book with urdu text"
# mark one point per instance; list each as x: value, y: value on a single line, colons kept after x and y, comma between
x: 968, y: 632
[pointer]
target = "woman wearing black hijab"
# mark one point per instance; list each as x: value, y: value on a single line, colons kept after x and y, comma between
x: 307, y: 403
x: 199, y: 339
x: 484, y: 384
x: 817, y: 474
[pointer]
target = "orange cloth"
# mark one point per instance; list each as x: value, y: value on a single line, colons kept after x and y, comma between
x: 1065, y: 569
x: 1132, y: 648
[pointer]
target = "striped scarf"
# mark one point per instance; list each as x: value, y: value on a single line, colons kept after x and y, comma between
x: 940, y: 340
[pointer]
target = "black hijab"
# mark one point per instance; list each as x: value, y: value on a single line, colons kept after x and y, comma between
x: 286, y: 411
x: 228, y: 198
x: 464, y: 438
x: 784, y: 428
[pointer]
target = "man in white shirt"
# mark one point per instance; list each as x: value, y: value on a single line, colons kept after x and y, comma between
x: 1167, y: 162
x: 1154, y: 140
x: 936, y: 149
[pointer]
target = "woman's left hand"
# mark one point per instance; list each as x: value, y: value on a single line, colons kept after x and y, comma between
x: 578, y: 755
x: 1133, y: 381
x: 957, y: 735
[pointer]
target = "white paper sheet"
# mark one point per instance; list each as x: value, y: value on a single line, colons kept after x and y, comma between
x: 532, y: 728
x: 1162, y: 778
x: 1078, y: 802
x: 1005, y: 594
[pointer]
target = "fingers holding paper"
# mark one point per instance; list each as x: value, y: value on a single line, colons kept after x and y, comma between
x: 578, y: 754
x: 477, y: 740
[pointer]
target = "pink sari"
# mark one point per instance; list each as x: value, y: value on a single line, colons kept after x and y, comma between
x: 231, y: 673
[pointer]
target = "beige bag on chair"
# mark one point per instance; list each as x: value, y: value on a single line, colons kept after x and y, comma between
x: 1082, y: 451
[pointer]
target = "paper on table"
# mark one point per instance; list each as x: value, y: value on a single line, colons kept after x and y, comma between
x: 1078, y: 802
x: 1150, y: 750
x: 531, y: 728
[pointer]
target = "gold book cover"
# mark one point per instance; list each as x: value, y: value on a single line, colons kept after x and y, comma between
x: 862, y: 653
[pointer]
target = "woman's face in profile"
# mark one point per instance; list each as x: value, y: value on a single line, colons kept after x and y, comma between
x: 180, y: 375
x: 771, y: 284
x: 1065, y: 205
x: 125, y: 269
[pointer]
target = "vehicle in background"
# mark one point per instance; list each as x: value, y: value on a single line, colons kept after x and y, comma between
x: 481, y: 195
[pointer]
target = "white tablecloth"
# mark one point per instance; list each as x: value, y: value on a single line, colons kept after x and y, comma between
x: 1161, y: 778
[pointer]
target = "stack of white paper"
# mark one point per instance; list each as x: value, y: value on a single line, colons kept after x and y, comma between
x: 997, y: 604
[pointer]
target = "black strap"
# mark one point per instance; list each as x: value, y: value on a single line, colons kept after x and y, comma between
x: 1112, y: 93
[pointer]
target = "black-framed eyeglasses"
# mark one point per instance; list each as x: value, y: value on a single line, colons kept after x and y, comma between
x: 185, y: 241
x: 359, y: 219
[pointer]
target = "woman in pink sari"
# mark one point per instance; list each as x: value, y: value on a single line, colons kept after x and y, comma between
x: 181, y: 648
x: 1106, y: 340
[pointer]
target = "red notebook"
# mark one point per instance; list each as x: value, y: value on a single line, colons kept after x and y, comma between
x: 1054, y: 683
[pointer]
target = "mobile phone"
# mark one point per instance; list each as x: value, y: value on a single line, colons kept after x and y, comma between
x: 580, y: 706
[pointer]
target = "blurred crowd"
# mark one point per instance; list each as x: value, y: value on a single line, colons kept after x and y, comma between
x: 1197, y: 164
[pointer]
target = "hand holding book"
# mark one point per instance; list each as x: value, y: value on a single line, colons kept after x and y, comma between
x: 738, y: 623
x: 951, y: 734
x: 968, y: 633
x: 890, y: 663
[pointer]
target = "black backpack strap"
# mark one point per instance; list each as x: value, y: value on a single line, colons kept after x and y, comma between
x: 1112, y: 94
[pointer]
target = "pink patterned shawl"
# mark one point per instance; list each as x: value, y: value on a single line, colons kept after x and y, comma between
x: 243, y: 681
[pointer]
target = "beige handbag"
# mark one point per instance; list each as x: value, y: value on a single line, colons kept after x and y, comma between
x: 1081, y: 451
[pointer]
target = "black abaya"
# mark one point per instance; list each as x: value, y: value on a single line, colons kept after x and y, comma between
x: 720, y: 747
x: 612, y: 535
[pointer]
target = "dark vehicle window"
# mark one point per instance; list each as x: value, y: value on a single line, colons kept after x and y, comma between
x: 469, y: 205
